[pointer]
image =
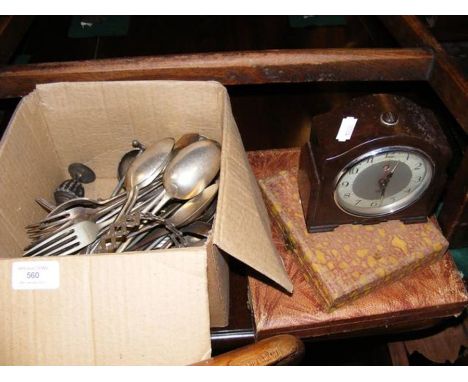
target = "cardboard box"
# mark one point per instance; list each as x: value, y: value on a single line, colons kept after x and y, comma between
x: 132, y: 308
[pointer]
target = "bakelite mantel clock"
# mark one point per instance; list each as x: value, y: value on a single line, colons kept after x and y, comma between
x: 389, y: 163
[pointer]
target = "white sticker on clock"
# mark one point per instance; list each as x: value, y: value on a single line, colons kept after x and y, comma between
x: 35, y: 275
x: 346, y: 129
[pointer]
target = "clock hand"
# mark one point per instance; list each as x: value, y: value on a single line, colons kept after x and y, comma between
x: 381, y: 198
x: 393, y: 170
x: 383, y: 182
x: 382, y: 190
x: 383, y: 186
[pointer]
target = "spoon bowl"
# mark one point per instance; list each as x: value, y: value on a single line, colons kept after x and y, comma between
x: 144, y: 169
x: 190, y: 171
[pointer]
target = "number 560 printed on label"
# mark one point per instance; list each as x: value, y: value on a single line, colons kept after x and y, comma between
x: 31, y: 275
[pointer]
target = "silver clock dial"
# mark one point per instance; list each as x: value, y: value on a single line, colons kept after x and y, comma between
x: 383, y: 181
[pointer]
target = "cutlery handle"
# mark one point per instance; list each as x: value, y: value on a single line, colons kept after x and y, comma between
x: 130, y: 202
x: 165, y: 198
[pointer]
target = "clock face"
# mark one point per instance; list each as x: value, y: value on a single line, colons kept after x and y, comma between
x: 383, y: 181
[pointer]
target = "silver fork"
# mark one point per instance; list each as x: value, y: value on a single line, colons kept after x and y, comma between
x: 70, y: 239
x: 67, y: 241
x: 66, y: 218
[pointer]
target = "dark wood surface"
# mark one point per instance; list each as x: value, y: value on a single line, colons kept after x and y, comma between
x: 241, y: 329
x: 231, y: 68
x: 445, y: 77
x: 451, y: 86
x: 448, y: 28
x: 453, y: 218
x: 150, y: 35
x: 12, y: 31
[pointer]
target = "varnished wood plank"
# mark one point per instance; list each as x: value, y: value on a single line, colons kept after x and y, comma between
x: 232, y: 68
x: 12, y: 30
x: 445, y: 77
x: 453, y: 216
x: 451, y: 86
x: 442, y: 346
x: 398, y: 353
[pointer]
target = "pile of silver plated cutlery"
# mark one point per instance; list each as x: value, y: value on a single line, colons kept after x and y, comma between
x: 165, y: 197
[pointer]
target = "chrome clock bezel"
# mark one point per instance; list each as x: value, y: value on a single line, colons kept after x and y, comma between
x: 399, y: 204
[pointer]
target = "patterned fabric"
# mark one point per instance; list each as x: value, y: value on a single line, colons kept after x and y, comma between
x: 352, y: 260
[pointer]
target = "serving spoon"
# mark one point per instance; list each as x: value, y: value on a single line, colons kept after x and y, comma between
x: 144, y: 169
x: 191, y: 170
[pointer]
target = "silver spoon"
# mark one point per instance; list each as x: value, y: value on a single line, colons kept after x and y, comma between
x: 189, y: 172
x: 125, y: 163
x: 197, y: 228
x: 185, y: 140
x: 182, y: 142
x: 144, y: 169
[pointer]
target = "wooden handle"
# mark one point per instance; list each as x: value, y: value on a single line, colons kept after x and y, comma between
x: 279, y: 350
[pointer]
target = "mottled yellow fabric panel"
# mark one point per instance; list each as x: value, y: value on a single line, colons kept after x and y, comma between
x: 352, y: 260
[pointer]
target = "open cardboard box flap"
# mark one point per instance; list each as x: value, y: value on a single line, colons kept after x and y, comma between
x: 242, y: 227
x: 94, y: 318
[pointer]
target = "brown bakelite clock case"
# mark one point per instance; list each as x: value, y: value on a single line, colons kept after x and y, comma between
x: 391, y: 165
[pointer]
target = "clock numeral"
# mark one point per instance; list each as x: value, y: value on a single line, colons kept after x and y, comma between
x: 407, y: 156
x: 347, y: 195
x: 419, y: 179
x: 357, y: 202
x: 408, y: 190
x: 374, y: 204
x: 353, y: 171
x: 345, y: 183
x: 418, y: 166
x: 370, y: 160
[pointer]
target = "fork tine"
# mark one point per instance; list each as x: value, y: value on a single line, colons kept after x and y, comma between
x: 42, y: 238
x: 57, y: 246
x: 47, y: 220
x: 47, y: 243
x: 47, y: 228
x: 85, y: 233
x: 39, y: 235
x: 73, y: 247
x: 52, y: 223
x: 43, y: 232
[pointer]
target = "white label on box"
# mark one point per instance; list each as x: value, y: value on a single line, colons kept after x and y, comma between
x: 32, y: 275
x: 346, y: 129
